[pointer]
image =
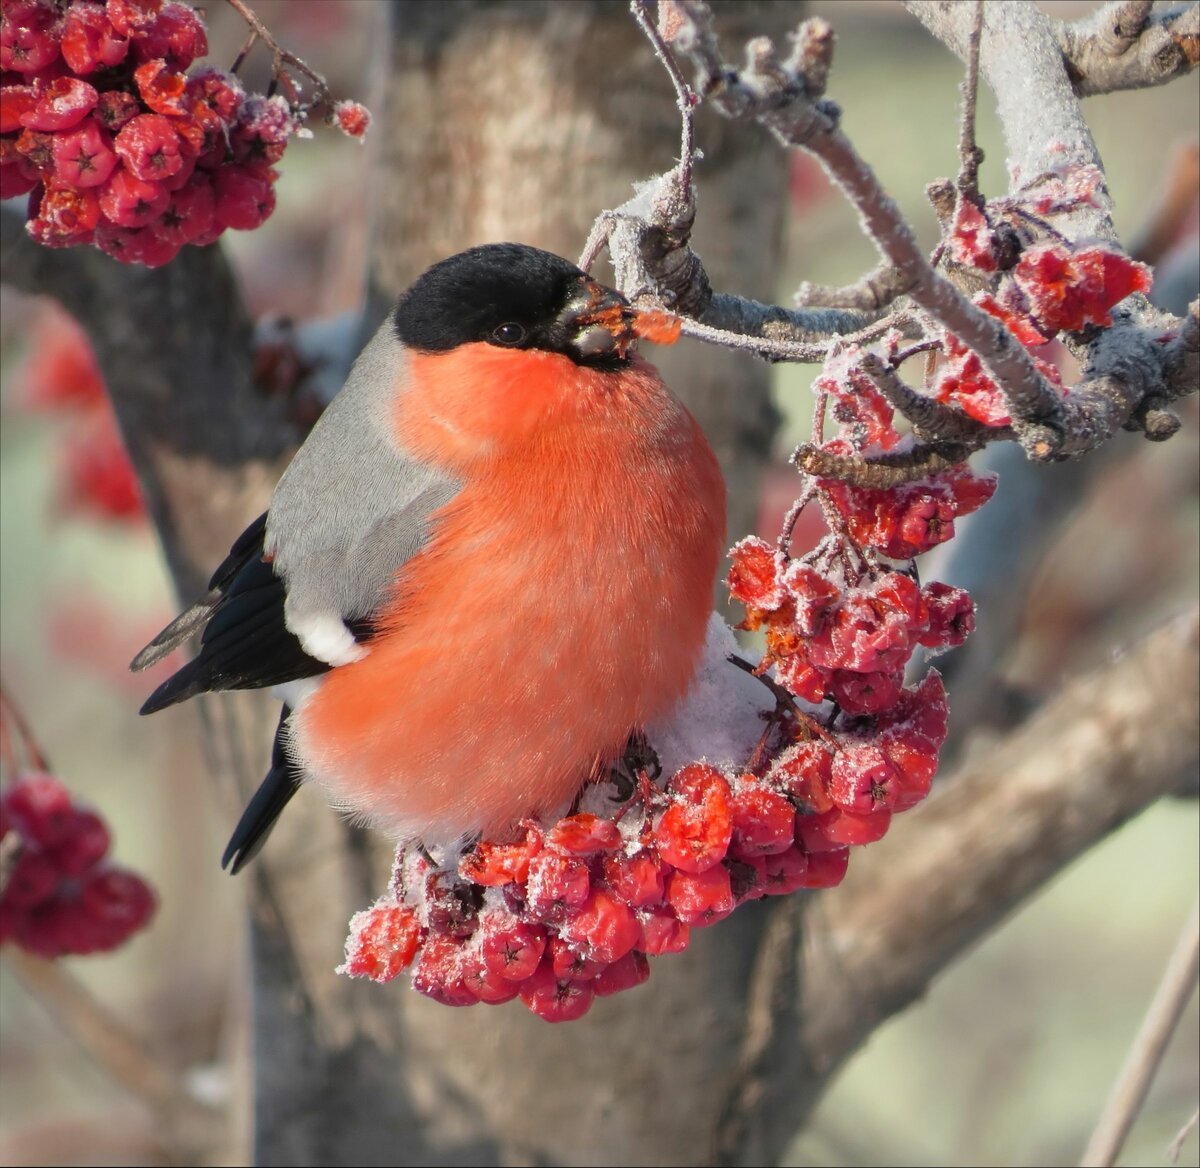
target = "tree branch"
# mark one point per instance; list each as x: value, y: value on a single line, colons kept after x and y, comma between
x: 1126, y: 45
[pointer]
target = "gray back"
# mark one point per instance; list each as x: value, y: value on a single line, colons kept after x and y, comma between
x: 353, y: 507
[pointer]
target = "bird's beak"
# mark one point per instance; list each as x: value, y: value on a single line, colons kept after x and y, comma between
x: 599, y: 322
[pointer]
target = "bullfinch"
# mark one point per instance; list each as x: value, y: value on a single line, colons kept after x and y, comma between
x: 490, y: 562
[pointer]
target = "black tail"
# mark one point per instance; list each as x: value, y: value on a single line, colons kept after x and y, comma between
x: 273, y: 795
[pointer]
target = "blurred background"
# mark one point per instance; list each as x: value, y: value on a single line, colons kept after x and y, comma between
x: 1010, y: 1057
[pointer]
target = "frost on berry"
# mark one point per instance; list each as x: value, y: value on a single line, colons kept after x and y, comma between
x: 352, y: 119
x: 571, y: 909
x: 1068, y: 290
x: 383, y: 941
x: 63, y: 895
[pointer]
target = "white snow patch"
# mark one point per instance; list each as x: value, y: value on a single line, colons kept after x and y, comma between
x: 718, y: 721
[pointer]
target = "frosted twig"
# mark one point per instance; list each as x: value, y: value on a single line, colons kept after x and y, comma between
x: 280, y: 58
x: 880, y: 471
x: 685, y: 99
x: 931, y: 419
x: 1133, y: 1083
x: 877, y: 289
x: 970, y: 156
x: 1127, y: 45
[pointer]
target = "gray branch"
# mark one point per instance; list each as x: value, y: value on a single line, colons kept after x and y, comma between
x: 1127, y: 45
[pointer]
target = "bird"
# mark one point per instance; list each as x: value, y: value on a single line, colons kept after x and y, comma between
x: 488, y: 565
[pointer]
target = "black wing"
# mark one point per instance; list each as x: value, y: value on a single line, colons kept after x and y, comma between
x: 273, y: 795
x: 245, y: 643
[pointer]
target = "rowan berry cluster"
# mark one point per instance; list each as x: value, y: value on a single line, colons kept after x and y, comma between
x: 59, y: 894
x: 118, y: 145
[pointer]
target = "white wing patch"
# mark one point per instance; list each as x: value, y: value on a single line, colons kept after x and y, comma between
x: 327, y: 639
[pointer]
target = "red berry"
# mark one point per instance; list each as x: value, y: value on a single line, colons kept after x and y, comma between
x: 631, y: 970
x: 84, y: 845
x: 865, y: 693
x: 89, y: 41
x: 637, y: 879
x: 754, y: 571
x: 40, y: 807
x: 951, y: 616
x: 62, y: 104
x: 785, y: 872
x: 487, y: 986
x: 604, y: 928
x: 189, y: 214
x: 863, y: 779
x: 28, y: 36
x: 150, y: 148
x: 245, y: 197
x: 441, y: 972
x: 511, y: 948
x: 495, y: 864
x: 162, y: 88
x: 816, y: 597
x: 700, y: 899
x: 662, y: 932
x: 556, y: 883
x: 569, y: 963
x: 215, y: 97
x: 133, y: 17
x: 115, y: 108
x: 176, y: 36
x: 119, y: 901
x: 65, y: 216
x: 84, y: 156
x: 554, y: 1000
x: 764, y: 822
x: 695, y: 830
x: 584, y: 835
x: 383, y: 941
x: 263, y: 128
x: 128, y: 201
x: 803, y: 772
x: 352, y: 119
x: 34, y: 880
x: 15, y: 102
x: 826, y: 869
x: 852, y: 829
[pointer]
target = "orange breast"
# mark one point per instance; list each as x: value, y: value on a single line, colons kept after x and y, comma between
x: 561, y: 602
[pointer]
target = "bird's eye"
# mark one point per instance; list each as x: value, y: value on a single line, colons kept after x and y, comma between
x: 510, y: 333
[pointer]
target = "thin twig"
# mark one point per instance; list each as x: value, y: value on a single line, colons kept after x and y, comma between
x: 766, y: 347
x: 10, y: 713
x: 883, y: 470
x: 322, y: 98
x: 1133, y: 1083
x: 1180, y: 1136
x: 970, y: 156
x: 685, y: 98
x: 108, y: 1041
x: 877, y: 289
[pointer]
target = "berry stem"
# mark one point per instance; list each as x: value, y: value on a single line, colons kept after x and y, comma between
x: 281, y: 58
x: 13, y: 724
